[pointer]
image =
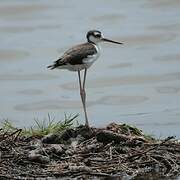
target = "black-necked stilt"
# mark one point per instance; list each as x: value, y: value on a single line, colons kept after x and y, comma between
x: 82, y: 57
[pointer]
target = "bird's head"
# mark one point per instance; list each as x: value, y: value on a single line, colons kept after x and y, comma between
x: 95, y: 36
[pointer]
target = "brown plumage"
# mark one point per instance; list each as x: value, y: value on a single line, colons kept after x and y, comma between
x: 75, y: 55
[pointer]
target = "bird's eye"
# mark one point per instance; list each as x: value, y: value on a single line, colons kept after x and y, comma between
x: 98, y: 35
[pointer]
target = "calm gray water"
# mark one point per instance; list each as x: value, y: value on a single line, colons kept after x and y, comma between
x: 138, y: 83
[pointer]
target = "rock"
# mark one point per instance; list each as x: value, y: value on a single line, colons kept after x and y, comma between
x: 59, y: 138
x: 36, y: 157
x: 55, y: 148
x: 107, y: 136
x: 50, y: 139
x: 85, y: 131
x: 68, y: 133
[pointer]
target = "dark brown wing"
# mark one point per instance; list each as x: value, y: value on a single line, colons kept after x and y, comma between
x: 75, y: 55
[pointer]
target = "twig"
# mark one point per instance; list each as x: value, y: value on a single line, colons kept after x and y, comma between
x: 110, y: 153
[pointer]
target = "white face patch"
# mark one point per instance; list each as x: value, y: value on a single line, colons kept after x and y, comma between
x: 96, y: 33
x: 94, y: 39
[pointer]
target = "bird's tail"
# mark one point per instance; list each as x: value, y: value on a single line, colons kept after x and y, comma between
x: 56, y: 64
x: 51, y: 67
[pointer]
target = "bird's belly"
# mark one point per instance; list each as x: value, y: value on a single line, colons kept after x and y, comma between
x: 77, y: 67
x: 87, y: 62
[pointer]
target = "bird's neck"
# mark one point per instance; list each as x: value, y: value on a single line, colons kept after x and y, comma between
x: 97, y: 46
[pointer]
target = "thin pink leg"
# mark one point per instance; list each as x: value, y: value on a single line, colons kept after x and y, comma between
x: 83, y: 95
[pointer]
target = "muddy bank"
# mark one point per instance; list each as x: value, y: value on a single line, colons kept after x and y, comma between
x: 116, y: 151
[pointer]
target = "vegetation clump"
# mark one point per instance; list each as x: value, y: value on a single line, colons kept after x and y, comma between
x: 59, y: 150
x: 42, y: 128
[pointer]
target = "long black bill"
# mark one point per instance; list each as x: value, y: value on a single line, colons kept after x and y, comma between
x: 108, y: 40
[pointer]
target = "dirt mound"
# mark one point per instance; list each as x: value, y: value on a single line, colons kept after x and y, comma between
x: 117, y: 151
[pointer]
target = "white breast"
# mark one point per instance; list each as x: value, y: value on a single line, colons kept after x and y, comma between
x: 92, y: 58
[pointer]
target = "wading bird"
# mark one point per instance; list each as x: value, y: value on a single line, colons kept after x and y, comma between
x: 81, y: 57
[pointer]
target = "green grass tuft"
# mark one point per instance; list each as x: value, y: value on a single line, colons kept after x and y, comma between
x: 42, y: 128
x: 8, y: 126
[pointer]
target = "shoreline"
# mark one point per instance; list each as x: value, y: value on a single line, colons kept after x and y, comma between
x: 115, y: 151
